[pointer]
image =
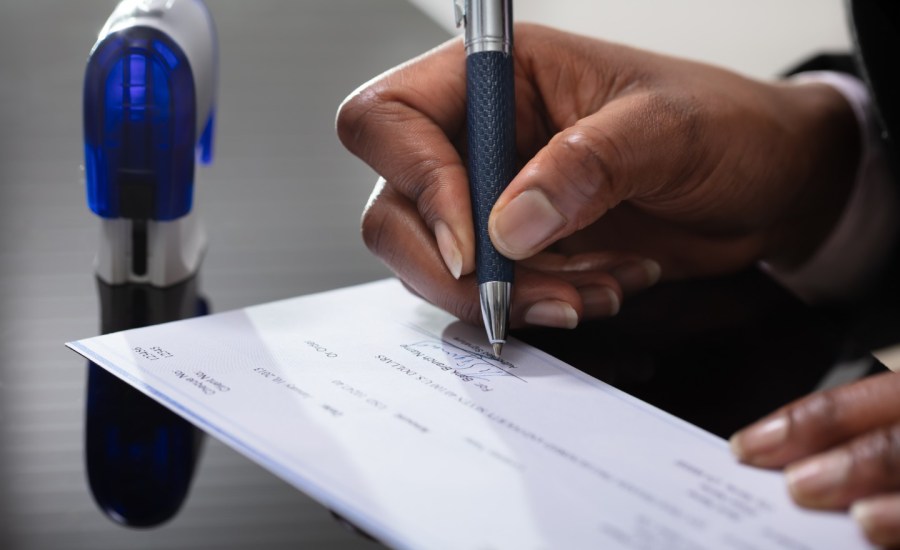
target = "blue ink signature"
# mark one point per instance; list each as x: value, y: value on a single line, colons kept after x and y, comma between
x: 467, y: 365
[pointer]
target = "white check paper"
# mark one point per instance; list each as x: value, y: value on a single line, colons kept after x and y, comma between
x: 392, y: 413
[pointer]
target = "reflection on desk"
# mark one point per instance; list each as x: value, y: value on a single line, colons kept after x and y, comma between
x: 140, y: 456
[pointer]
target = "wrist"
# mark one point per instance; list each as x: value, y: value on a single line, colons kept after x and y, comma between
x: 849, y: 263
x: 825, y: 162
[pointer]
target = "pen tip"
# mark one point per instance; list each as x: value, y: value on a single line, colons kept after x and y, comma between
x: 498, y: 347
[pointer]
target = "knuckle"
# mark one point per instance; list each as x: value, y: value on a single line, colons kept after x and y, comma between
x: 350, y: 115
x: 597, y: 158
x: 817, y: 420
x: 879, y: 452
x: 373, y: 224
x: 372, y: 228
x: 890, y: 458
x: 431, y: 184
x: 428, y: 189
x: 358, y: 111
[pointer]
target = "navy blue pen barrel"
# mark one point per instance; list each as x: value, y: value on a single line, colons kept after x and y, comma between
x: 491, y: 119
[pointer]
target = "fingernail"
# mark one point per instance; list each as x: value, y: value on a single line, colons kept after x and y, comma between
x: 599, y: 301
x: 447, y: 246
x: 879, y: 518
x: 552, y: 313
x: 817, y: 477
x: 759, y: 439
x: 585, y: 262
x: 864, y: 513
x: 637, y: 275
x: 525, y: 223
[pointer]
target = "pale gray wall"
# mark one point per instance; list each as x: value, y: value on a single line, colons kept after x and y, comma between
x: 756, y: 37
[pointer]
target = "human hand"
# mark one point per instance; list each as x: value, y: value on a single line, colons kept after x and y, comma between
x: 633, y: 162
x: 840, y: 448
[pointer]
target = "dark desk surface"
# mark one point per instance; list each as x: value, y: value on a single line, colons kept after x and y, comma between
x: 281, y: 205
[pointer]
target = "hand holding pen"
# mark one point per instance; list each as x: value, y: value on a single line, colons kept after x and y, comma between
x: 635, y: 165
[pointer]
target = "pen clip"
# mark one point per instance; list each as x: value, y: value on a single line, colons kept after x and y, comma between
x: 459, y: 10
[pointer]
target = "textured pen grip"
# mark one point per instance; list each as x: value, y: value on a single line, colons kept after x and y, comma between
x: 491, y: 116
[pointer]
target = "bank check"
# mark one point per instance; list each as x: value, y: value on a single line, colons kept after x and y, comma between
x: 395, y: 415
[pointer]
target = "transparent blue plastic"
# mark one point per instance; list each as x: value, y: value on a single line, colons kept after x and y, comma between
x: 206, y: 140
x: 140, y: 127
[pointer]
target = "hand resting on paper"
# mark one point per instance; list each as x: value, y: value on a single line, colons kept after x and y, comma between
x: 840, y: 449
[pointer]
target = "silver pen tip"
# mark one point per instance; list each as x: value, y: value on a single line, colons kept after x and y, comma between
x: 495, y: 311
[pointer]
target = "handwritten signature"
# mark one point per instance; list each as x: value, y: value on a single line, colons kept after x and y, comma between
x: 468, y: 366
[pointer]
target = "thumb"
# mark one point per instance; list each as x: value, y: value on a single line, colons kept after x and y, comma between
x: 621, y: 152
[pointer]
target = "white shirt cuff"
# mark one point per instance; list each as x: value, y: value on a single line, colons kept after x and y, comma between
x: 853, y: 256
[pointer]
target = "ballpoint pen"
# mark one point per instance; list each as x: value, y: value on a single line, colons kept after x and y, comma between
x: 490, y: 119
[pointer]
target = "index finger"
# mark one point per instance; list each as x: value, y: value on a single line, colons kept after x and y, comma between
x: 403, y: 124
x: 819, y: 421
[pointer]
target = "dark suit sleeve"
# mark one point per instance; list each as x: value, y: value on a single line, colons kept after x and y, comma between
x: 875, y: 25
x: 840, y: 62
